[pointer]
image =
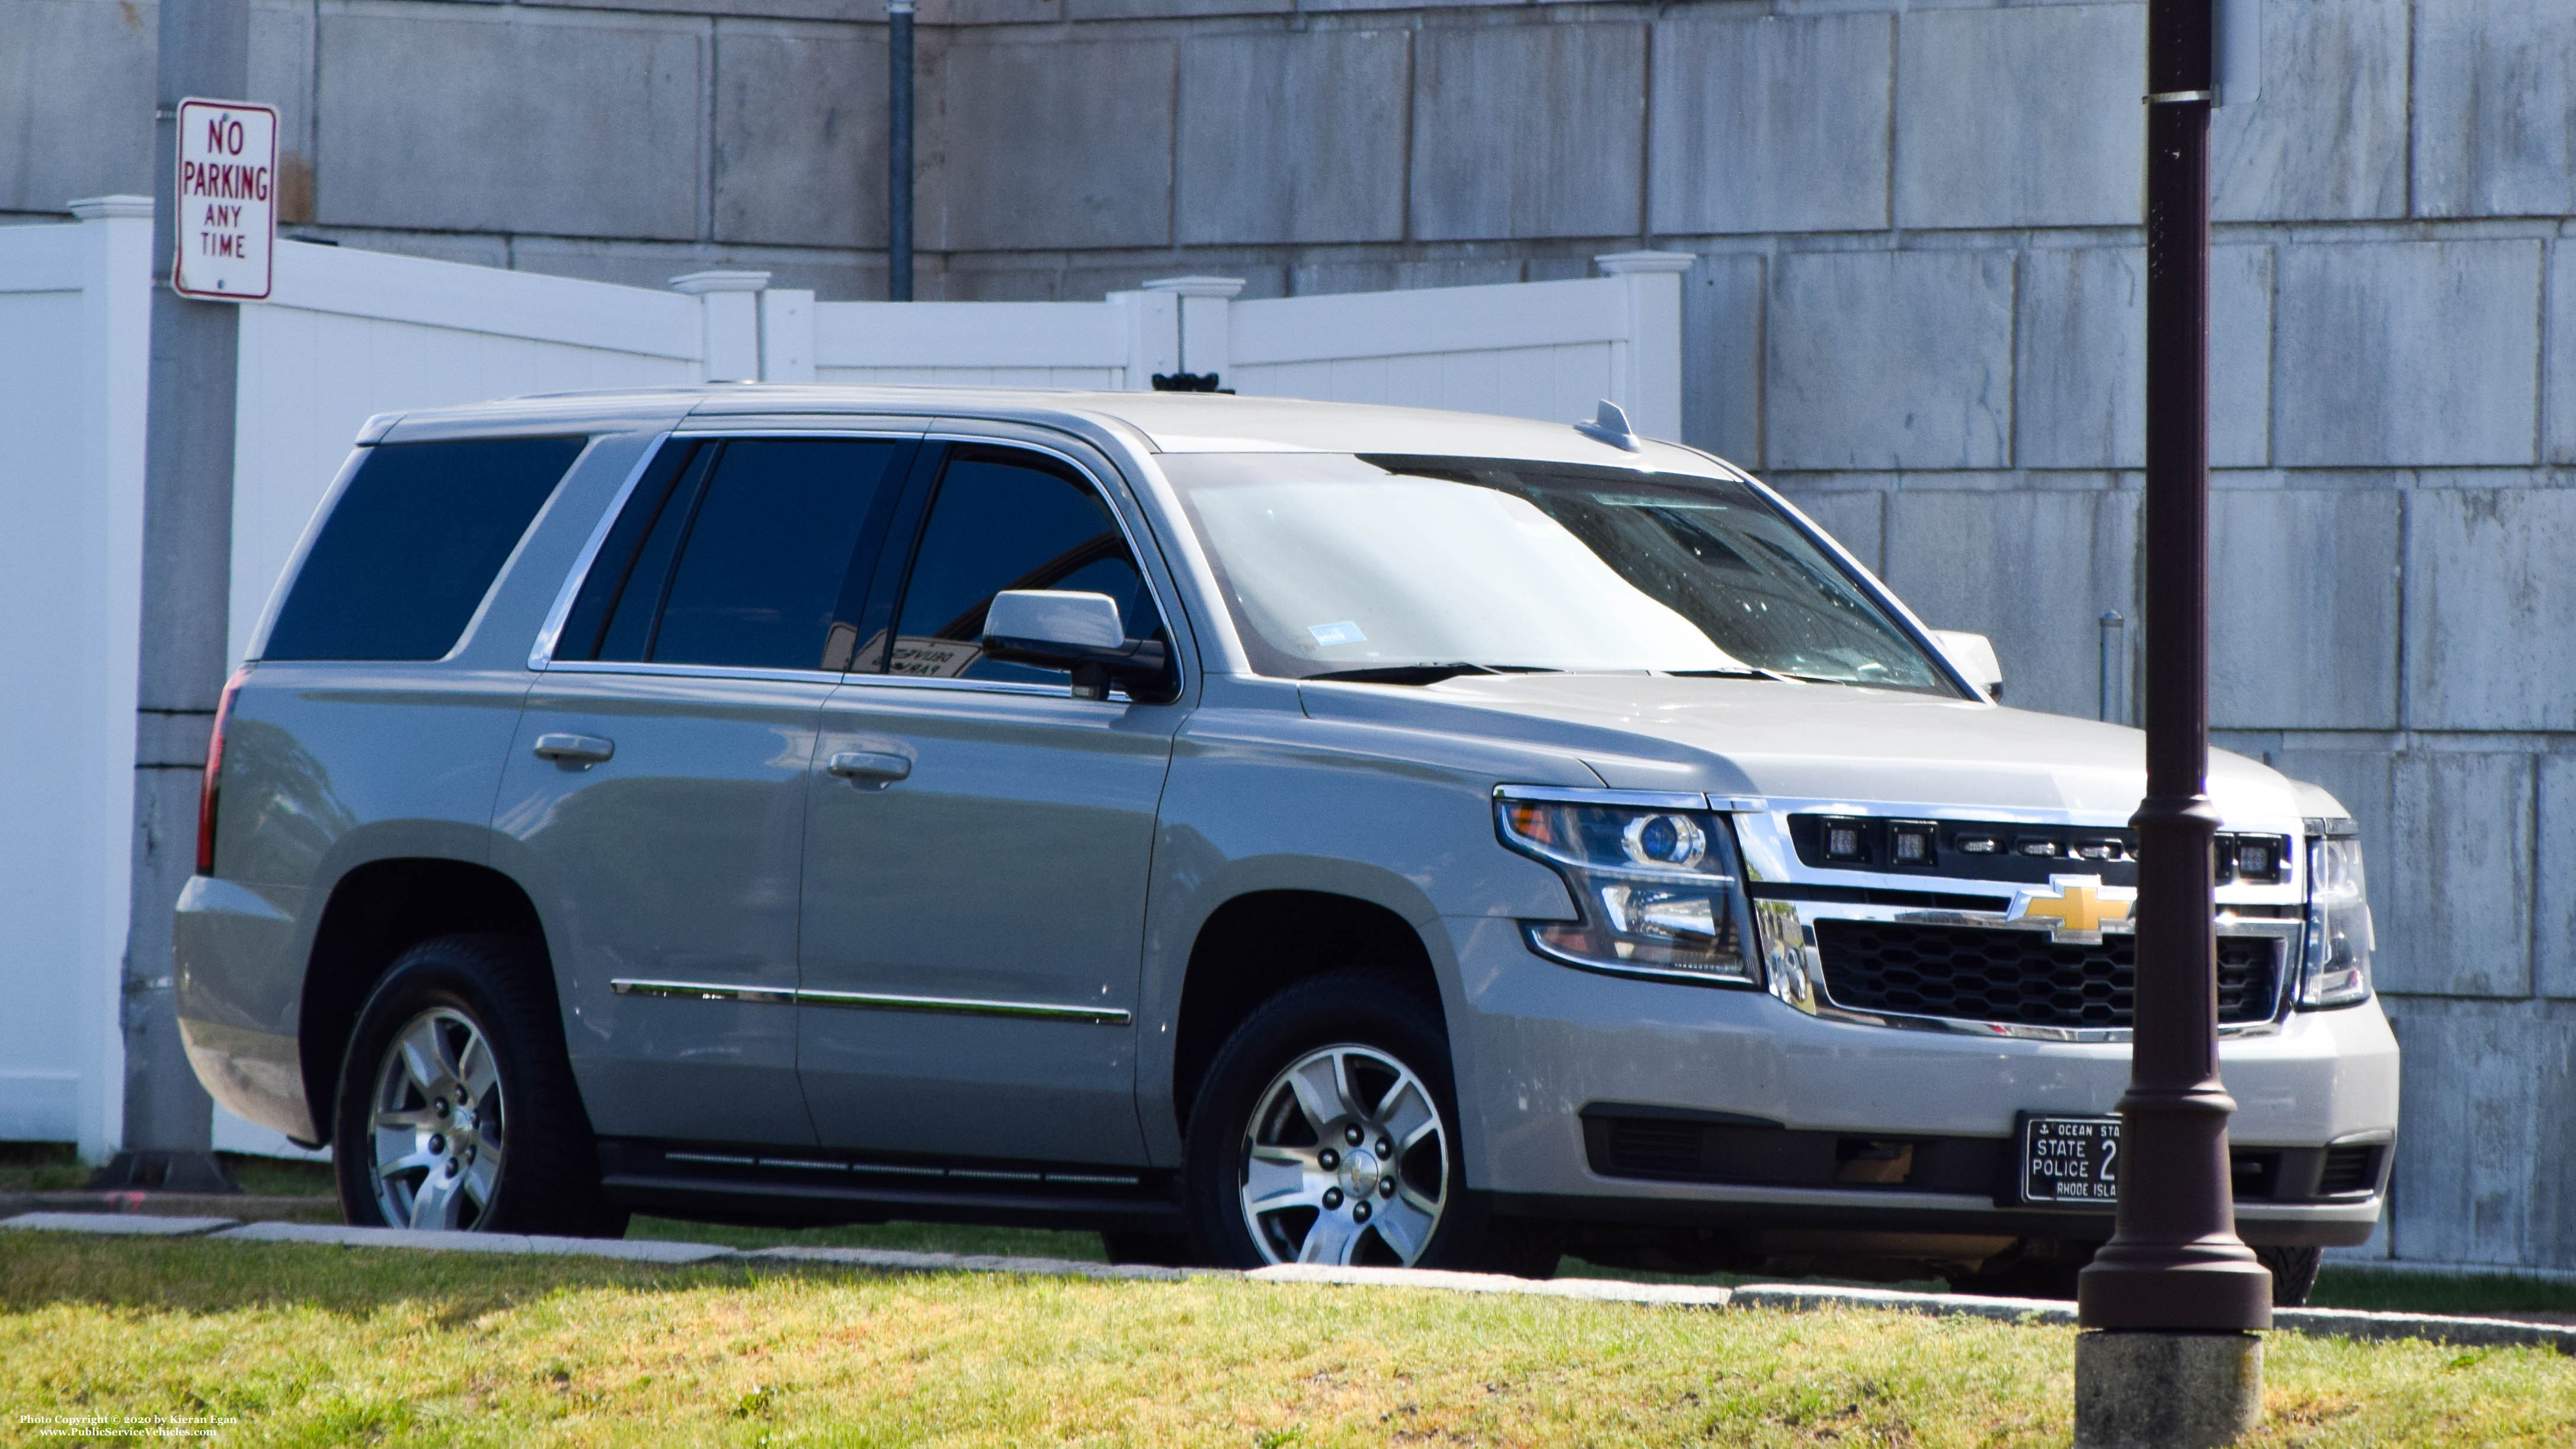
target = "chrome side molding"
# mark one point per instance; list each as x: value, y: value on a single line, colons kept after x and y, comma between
x: 873, y: 1001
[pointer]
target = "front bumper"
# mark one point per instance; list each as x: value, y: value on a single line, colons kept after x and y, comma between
x: 1540, y: 1043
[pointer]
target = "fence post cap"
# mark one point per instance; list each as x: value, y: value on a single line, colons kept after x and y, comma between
x: 91, y: 208
x: 700, y: 283
x: 1197, y: 286
x: 1630, y: 264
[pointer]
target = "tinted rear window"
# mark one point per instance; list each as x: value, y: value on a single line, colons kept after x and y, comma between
x: 407, y: 555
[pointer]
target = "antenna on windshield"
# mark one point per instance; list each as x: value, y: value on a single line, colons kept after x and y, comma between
x: 1610, y: 425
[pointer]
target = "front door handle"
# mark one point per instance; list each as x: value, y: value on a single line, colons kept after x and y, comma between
x: 857, y: 765
x: 583, y: 751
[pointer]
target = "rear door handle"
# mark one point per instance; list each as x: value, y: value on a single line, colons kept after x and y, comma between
x: 869, y: 765
x: 582, y: 750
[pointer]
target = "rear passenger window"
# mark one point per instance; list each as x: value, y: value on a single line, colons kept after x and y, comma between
x: 738, y: 553
x: 413, y: 545
x: 1005, y: 520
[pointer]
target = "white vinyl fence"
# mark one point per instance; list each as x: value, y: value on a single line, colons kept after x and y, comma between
x: 348, y: 334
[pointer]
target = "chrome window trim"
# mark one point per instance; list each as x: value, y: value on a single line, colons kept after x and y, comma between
x: 870, y: 1001
x: 541, y: 655
x: 976, y: 686
x: 1642, y: 799
x: 695, y: 671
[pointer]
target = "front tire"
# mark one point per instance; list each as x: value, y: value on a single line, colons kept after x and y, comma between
x: 1326, y: 1132
x: 2294, y: 1273
x: 457, y: 1108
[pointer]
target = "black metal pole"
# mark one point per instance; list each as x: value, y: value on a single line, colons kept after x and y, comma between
x: 899, y: 150
x: 2174, y: 1263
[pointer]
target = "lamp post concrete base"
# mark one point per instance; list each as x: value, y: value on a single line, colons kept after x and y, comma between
x: 2166, y: 1390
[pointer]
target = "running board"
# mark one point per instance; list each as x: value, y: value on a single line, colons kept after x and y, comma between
x: 818, y: 1186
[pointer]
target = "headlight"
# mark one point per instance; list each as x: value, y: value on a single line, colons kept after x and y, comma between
x: 2337, y: 969
x: 1659, y: 889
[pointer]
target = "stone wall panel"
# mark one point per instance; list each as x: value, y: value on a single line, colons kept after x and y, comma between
x: 2459, y: 918
x: 2030, y: 570
x: 1722, y: 357
x: 800, y: 138
x: 1284, y: 138
x: 1057, y: 145
x: 2303, y: 619
x: 2326, y: 138
x: 599, y: 122
x: 2406, y: 354
x: 2481, y: 1176
x: 1775, y: 123
x: 2002, y: 116
x: 2489, y: 593
x: 76, y: 87
x: 1889, y: 360
x: 2495, y: 108
x: 2079, y: 367
x: 2553, y: 908
x: 1528, y: 131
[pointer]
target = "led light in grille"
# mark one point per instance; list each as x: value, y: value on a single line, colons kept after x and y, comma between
x: 2042, y: 849
x: 2257, y: 860
x: 1844, y: 841
x: 2097, y: 850
x: 1910, y: 842
x: 1979, y: 845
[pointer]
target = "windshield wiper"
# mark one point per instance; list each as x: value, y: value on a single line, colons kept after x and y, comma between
x: 1427, y: 673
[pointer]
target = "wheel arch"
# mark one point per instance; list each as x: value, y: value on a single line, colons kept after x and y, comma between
x: 376, y: 911
x: 1261, y: 942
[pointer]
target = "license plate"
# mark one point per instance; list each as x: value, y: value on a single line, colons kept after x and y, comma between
x: 2070, y: 1160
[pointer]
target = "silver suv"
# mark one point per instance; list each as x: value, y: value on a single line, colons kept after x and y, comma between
x: 1258, y: 830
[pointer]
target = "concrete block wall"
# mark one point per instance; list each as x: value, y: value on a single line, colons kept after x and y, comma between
x: 1919, y: 308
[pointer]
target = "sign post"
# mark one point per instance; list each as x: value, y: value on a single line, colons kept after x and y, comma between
x: 204, y: 49
x: 227, y: 201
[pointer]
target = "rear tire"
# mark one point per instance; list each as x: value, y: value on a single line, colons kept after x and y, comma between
x: 2294, y: 1273
x: 1327, y: 1131
x: 457, y: 1107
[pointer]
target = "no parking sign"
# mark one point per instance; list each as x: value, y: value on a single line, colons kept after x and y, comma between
x: 227, y: 202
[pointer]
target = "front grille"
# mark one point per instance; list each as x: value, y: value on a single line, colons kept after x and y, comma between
x: 2019, y: 977
x: 2349, y: 1169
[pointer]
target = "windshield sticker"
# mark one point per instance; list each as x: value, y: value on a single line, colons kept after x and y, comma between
x: 1344, y: 632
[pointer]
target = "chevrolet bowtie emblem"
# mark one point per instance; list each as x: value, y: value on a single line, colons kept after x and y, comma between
x: 2077, y: 902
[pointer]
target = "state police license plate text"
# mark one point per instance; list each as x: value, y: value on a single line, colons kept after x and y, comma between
x: 2070, y: 1159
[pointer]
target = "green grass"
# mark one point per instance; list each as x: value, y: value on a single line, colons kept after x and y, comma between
x: 2431, y: 1293
x: 330, y: 1346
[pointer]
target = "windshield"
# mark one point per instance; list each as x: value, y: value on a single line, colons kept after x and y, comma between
x: 1411, y: 569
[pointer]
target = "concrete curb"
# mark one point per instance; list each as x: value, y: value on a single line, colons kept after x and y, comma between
x: 240, y: 1207
x: 1809, y: 1297
x: 1594, y: 1290
x: 622, y: 1249
x: 899, y: 1261
x: 117, y: 1225
x: 1780, y: 1297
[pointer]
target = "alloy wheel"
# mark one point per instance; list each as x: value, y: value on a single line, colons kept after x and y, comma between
x: 437, y: 1128
x: 1346, y: 1160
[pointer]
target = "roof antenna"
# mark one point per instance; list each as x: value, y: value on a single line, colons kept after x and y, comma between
x: 1610, y: 425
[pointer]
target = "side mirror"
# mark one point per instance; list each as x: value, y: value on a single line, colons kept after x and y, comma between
x: 1061, y: 629
x: 1974, y: 656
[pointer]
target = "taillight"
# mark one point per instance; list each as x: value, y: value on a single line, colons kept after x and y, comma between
x: 212, y: 789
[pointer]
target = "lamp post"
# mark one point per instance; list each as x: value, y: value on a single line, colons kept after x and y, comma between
x: 2170, y: 1306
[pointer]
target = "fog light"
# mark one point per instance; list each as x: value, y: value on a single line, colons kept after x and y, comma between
x: 1910, y: 842
x: 1844, y: 841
